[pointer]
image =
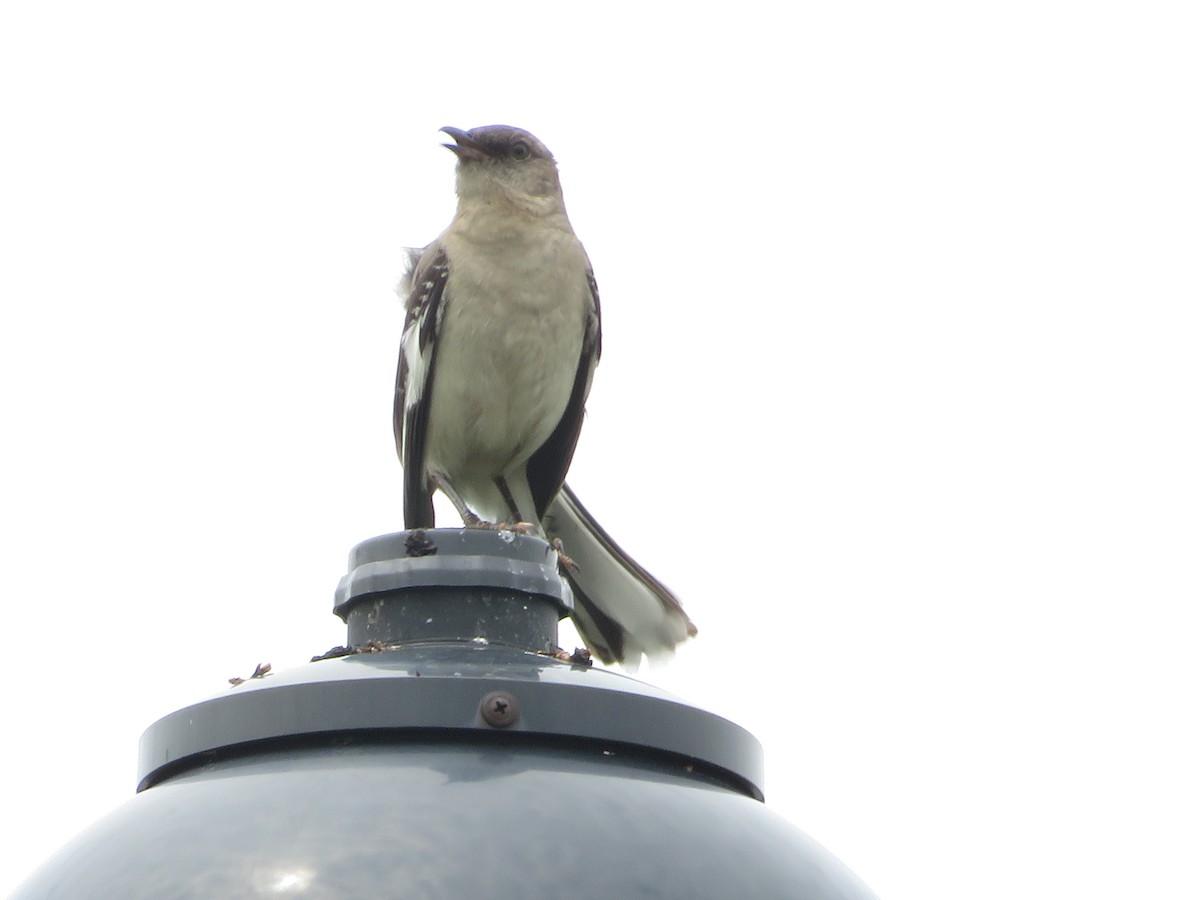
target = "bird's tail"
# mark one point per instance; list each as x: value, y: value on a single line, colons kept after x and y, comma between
x: 621, y: 610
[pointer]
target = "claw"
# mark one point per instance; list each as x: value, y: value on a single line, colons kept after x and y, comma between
x: 565, y: 563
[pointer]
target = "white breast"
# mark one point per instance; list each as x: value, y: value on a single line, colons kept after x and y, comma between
x: 508, y: 352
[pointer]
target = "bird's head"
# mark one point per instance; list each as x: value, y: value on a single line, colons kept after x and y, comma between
x: 509, y: 162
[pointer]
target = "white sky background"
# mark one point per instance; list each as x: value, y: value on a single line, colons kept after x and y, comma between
x: 899, y: 387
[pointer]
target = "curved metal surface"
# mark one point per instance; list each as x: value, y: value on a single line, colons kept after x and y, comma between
x: 417, y: 688
x: 443, y: 820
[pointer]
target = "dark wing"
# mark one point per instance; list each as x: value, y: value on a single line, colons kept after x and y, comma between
x: 414, y: 380
x: 547, y: 468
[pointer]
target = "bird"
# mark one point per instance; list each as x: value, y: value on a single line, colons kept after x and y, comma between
x: 501, y: 338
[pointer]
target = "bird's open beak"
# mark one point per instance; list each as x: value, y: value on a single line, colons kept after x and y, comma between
x: 464, y: 148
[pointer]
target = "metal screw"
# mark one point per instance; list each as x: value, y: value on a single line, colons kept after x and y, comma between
x: 499, y: 709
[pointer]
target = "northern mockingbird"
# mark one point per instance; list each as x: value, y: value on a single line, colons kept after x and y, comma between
x: 500, y: 340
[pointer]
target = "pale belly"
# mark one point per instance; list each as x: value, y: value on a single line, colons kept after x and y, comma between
x: 502, y: 379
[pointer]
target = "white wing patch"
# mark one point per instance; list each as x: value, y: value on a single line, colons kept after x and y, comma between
x: 424, y: 299
x: 417, y: 363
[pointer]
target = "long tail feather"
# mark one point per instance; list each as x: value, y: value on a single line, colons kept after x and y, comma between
x: 622, y: 611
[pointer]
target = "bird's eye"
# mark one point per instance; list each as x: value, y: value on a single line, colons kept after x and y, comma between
x: 519, y: 150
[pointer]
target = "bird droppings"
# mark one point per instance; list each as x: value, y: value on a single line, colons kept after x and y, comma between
x: 581, y: 657
x: 332, y: 653
x: 260, y: 671
x: 372, y: 646
x: 418, y: 543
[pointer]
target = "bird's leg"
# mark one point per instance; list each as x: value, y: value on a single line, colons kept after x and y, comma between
x: 470, y: 519
x: 516, y: 523
x: 442, y: 483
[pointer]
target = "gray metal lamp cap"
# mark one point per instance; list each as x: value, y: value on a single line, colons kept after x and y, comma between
x: 453, y: 558
x: 461, y: 584
x: 454, y: 757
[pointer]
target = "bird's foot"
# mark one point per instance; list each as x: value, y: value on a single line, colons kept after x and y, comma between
x: 525, y: 528
x: 565, y: 563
